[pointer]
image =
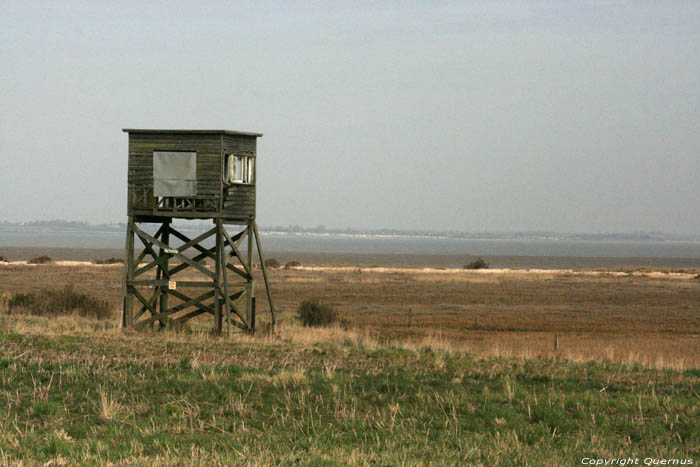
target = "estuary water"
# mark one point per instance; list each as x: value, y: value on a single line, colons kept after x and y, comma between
x: 399, y: 250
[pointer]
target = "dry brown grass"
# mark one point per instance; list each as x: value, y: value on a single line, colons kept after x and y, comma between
x: 630, y: 316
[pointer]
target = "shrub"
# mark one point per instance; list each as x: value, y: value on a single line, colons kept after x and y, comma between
x: 63, y: 301
x: 478, y: 264
x: 3, y: 259
x: 272, y: 263
x: 314, y: 313
x: 108, y: 261
x: 292, y: 264
x: 40, y: 260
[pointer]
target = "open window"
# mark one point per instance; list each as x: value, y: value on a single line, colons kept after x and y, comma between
x: 240, y: 169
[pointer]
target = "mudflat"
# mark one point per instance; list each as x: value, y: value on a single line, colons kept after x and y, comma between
x: 17, y: 253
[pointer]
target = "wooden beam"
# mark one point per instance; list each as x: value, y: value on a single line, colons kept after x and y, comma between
x: 148, y: 248
x: 262, y: 266
x: 143, y: 300
x: 166, y: 283
x: 126, y: 296
x: 250, y: 290
x: 243, y: 274
x: 200, y: 306
x: 239, y: 256
x: 195, y: 241
x: 231, y: 299
x: 190, y: 315
x: 158, y: 262
x: 142, y: 255
x: 190, y: 302
x: 175, y: 253
x: 208, y: 252
x: 227, y: 302
x: 152, y: 300
x: 163, y: 266
x: 239, y: 237
x: 217, y: 271
x: 197, y: 258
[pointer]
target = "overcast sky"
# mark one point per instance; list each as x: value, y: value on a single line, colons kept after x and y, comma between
x: 500, y: 116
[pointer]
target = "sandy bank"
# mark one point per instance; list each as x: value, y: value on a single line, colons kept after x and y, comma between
x: 409, y: 270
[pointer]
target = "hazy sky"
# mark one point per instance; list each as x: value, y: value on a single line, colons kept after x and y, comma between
x: 562, y: 115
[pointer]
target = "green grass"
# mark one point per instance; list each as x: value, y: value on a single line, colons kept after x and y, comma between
x: 169, y: 399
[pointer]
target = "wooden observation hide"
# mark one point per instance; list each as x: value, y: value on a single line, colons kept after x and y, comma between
x: 191, y: 174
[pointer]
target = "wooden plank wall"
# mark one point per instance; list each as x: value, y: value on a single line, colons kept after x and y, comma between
x: 141, y: 147
x: 239, y: 200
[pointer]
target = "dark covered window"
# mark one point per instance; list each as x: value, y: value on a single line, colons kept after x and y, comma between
x: 174, y: 173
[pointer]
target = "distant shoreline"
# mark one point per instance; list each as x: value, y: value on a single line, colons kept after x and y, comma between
x: 66, y: 227
x: 419, y: 260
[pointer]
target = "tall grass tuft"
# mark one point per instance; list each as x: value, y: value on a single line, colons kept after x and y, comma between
x: 312, y: 312
x: 60, y: 302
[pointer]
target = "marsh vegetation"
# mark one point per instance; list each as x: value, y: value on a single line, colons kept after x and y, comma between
x: 439, y: 366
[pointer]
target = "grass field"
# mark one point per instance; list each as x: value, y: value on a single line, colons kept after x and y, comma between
x: 84, y: 392
x: 467, y: 377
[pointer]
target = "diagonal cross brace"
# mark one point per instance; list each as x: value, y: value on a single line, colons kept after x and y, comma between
x: 194, y: 242
x: 245, y: 265
x: 152, y: 301
x: 190, y: 302
x: 147, y: 250
x: 208, y: 252
x: 177, y: 254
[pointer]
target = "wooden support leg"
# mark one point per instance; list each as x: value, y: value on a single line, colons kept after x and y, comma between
x: 165, y: 272
x: 127, y: 300
x: 224, y: 262
x: 217, y: 279
x: 219, y: 300
x: 267, y: 284
x: 250, y: 285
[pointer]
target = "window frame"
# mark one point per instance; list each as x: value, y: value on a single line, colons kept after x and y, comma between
x: 239, y: 169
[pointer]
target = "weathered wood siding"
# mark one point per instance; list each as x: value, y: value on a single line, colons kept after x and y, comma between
x: 239, y: 200
x: 140, y: 177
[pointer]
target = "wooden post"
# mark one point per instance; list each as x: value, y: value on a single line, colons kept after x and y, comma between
x: 128, y: 306
x: 217, y: 280
x: 556, y: 342
x: 125, y: 277
x: 165, y: 273
x: 250, y: 316
x: 267, y: 284
x: 224, y: 262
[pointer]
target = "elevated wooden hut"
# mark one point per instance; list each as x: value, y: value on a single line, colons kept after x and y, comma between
x: 191, y: 174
